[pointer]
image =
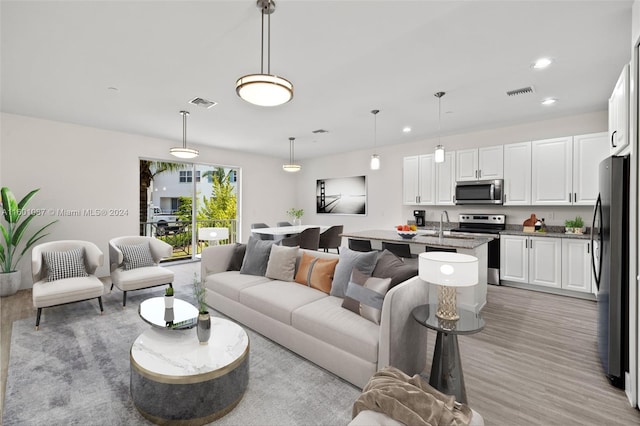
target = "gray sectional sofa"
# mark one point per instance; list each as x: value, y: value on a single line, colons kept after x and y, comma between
x: 314, y: 324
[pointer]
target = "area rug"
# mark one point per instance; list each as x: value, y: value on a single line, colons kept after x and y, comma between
x: 75, y: 370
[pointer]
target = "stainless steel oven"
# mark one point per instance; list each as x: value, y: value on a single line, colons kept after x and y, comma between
x: 486, y: 225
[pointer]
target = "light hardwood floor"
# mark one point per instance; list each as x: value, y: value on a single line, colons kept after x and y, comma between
x: 535, y: 363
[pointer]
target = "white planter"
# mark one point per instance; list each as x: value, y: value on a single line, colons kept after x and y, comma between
x: 168, y: 302
x: 9, y: 283
x: 297, y: 222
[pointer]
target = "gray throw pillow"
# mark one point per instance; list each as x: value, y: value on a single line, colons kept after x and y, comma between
x: 136, y: 256
x: 350, y: 260
x: 282, y: 263
x: 257, y: 256
x: 238, y: 256
x: 391, y: 266
x: 65, y: 264
x: 365, y: 295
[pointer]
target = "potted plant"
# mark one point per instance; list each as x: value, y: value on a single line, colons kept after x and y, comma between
x: 578, y: 225
x: 168, y: 298
x: 17, y: 218
x: 568, y: 226
x: 203, y: 328
x: 296, y: 215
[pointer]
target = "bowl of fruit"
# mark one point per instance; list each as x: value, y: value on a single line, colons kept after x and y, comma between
x: 407, y: 231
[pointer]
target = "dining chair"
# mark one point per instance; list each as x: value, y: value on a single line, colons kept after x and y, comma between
x: 331, y: 239
x: 64, y: 272
x: 360, y: 245
x: 284, y: 224
x: 258, y: 235
x: 308, y: 239
x: 399, y: 249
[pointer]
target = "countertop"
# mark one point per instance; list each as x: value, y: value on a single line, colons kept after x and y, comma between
x: 547, y: 234
x: 424, y: 237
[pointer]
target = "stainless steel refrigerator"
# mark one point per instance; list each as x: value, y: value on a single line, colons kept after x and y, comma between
x: 610, y: 261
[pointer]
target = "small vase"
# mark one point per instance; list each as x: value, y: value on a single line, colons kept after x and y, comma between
x: 168, y: 302
x: 297, y: 222
x: 204, y: 328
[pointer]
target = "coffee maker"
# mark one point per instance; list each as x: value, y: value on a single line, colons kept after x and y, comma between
x: 419, y: 215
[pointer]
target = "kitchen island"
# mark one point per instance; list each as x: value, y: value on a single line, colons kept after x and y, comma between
x: 472, y: 298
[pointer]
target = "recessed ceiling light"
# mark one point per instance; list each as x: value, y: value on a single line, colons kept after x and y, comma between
x: 406, y: 129
x: 542, y: 63
x: 549, y: 101
x: 112, y: 89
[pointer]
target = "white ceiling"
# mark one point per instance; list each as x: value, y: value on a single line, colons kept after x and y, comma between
x: 345, y: 58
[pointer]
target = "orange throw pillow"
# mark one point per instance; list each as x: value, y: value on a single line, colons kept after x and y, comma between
x: 315, y: 272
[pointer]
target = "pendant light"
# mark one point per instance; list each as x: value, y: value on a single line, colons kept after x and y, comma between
x: 375, y: 158
x: 183, y: 151
x: 439, y: 154
x: 292, y: 167
x: 265, y: 89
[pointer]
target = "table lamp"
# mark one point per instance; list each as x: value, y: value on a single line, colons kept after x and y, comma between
x: 448, y: 271
x: 213, y: 234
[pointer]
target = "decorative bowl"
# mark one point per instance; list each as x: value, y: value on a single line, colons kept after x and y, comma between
x: 407, y: 235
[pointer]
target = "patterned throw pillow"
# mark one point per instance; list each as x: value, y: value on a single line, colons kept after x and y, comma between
x: 365, y: 295
x: 136, y: 256
x: 315, y: 272
x: 64, y: 264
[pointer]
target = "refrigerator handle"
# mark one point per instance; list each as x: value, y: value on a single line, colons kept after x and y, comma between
x: 597, y: 211
x: 613, y: 135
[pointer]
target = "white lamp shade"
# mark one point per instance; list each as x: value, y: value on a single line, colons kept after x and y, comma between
x: 291, y: 168
x: 448, y: 269
x: 375, y: 162
x: 264, y: 89
x: 181, y: 152
x: 439, y: 154
x: 213, y: 234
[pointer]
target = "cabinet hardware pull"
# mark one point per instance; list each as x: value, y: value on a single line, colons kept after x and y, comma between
x: 479, y: 173
x: 613, y: 138
x: 575, y: 197
x: 569, y: 197
x: 476, y: 174
x: 587, y: 248
x: 526, y: 243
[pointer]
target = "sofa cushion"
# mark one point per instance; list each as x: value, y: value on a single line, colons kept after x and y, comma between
x: 136, y: 256
x: 277, y: 299
x: 257, y: 256
x: 391, y: 266
x: 365, y: 294
x: 231, y: 283
x: 65, y: 264
x: 238, y: 256
x: 316, y: 272
x: 282, y: 263
x: 350, y: 259
x: 135, y: 279
x: 66, y: 290
x: 328, y: 321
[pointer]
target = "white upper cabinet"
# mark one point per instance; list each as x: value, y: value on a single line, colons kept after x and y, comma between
x: 446, y: 179
x: 479, y: 164
x: 418, y: 180
x: 619, y: 114
x: 588, y: 151
x: 517, y: 174
x: 551, y: 171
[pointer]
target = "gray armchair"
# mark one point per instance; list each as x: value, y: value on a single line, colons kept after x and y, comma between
x: 63, y: 272
x: 143, y: 270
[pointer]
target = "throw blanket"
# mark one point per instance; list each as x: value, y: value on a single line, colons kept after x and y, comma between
x: 410, y: 400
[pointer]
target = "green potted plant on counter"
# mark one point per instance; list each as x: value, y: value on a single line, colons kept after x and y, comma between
x: 203, y: 328
x: 296, y: 215
x: 574, y: 226
x: 17, y: 218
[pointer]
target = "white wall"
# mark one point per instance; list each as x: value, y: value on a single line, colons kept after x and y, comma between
x: 80, y: 167
x: 385, y: 207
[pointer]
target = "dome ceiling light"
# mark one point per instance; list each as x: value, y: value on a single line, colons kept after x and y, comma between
x: 265, y: 89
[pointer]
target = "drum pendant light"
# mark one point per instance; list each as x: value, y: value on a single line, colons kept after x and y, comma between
x: 292, y: 167
x: 375, y: 158
x: 183, y: 151
x: 439, y: 154
x: 265, y: 89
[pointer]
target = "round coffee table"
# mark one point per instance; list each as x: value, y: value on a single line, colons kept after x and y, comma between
x: 182, y: 315
x: 175, y: 380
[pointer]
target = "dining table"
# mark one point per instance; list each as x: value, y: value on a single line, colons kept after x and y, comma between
x: 281, y: 231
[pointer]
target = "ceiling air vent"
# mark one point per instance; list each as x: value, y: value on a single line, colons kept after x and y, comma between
x: 320, y: 131
x: 522, y: 91
x: 202, y: 102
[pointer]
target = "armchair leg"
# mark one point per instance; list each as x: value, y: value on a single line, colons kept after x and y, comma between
x: 38, y: 318
x: 124, y: 299
x: 100, y: 302
x: 111, y: 289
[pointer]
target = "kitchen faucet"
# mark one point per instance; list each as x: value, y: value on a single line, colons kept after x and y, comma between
x: 440, y: 233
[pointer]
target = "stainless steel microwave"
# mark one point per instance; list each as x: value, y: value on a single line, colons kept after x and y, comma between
x: 479, y: 192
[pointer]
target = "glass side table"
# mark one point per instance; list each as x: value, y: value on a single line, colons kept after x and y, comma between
x: 446, y: 368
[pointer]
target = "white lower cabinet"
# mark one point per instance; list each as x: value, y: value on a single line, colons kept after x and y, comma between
x: 576, y: 265
x: 531, y: 260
